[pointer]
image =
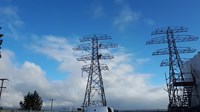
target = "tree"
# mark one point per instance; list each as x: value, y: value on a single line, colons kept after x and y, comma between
x: 32, y: 101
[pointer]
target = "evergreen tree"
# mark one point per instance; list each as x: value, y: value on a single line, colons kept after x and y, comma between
x: 32, y: 101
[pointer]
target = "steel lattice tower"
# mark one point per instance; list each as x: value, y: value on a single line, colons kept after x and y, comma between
x: 94, y: 94
x: 179, y: 86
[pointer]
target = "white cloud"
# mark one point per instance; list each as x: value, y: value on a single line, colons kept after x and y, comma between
x: 9, y: 12
x: 124, y: 88
x: 59, y: 49
x: 142, y: 60
x: 121, y: 82
x: 29, y: 77
x: 10, y: 20
x: 126, y: 17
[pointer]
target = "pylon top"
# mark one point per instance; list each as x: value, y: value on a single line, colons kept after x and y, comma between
x: 173, y: 29
x: 95, y: 37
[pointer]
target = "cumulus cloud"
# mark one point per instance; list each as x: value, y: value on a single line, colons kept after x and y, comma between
x: 124, y: 88
x: 29, y: 77
x: 122, y: 84
x: 127, y: 89
x: 59, y: 49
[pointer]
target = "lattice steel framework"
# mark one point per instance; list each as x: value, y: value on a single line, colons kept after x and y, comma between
x: 179, y: 86
x: 94, y: 94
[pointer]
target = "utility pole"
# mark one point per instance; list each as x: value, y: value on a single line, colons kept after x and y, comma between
x: 2, y: 87
x: 52, y: 104
x: 94, y: 94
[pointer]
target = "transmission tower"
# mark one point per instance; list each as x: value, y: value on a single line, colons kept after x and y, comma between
x: 1, y: 41
x: 179, y: 85
x: 94, y: 94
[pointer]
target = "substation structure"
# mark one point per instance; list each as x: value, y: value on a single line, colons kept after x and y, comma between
x: 94, y: 93
x: 180, y: 85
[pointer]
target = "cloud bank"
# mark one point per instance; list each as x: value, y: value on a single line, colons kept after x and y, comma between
x: 124, y: 88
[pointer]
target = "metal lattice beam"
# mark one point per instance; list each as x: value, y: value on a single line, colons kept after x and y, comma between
x: 180, y: 50
x: 177, y: 38
x: 86, y: 68
x: 175, y: 29
x: 95, y: 37
x: 90, y: 57
x: 88, y: 46
x: 167, y: 63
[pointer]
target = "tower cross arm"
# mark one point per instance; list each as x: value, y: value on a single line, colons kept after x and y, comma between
x: 166, y: 62
x: 177, y: 38
x: 100, y: 56
x: 105, y: 56
x: 85, y: 57
x: 86, y: 68
x: 174, y: 29
x: 82, y: 47
x: 180, y: 50
x: 185, y: 38
x: 157, y: 40
x: 107, y: 45
x: 95, y: 37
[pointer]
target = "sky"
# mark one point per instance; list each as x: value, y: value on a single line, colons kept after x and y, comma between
x: 39, y: 36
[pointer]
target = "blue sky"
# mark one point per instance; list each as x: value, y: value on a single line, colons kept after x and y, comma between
x: 39, y: 36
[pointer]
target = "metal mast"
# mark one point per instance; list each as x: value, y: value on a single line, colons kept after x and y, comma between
x: 179, y: 86
x: 94, y: 94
